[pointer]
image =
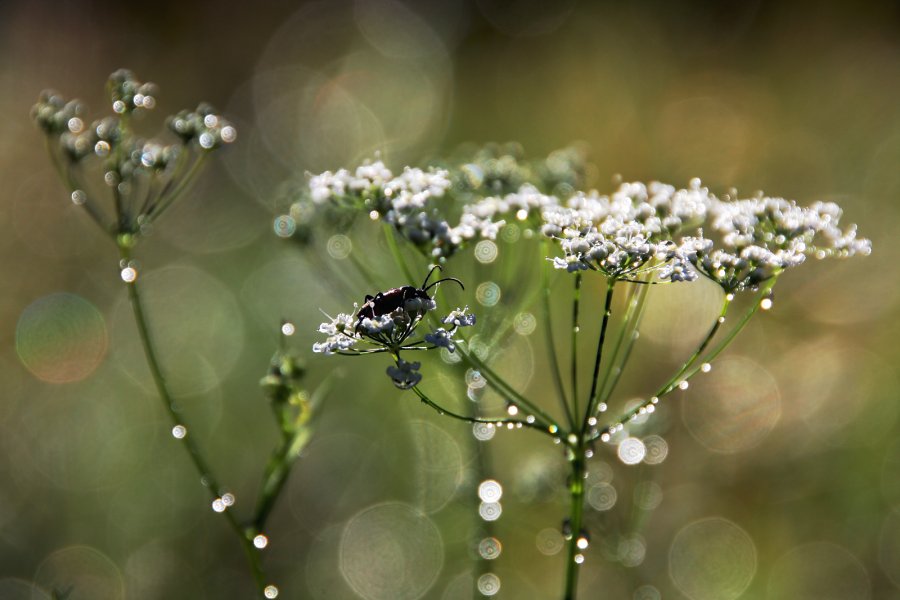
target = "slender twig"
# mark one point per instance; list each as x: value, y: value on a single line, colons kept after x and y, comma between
x: 627, y: 337
x: 592, y: 399
x: 576, y: 299
x: 555, y: 370
x: 207, y: 478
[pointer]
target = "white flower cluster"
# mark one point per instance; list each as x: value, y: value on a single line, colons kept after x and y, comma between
x: 640, y: 229
x: 648, y: 231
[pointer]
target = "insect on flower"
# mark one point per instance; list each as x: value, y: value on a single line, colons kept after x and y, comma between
x: 384, y: 303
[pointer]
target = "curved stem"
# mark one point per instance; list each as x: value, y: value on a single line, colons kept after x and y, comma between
x: 607, y: 311
x: 496, y: 422
x: 199, y: 461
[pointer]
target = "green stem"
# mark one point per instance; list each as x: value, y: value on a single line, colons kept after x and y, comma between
x: 630, y: 323
x: 504, y: 388
x: 576, y: 512
x: 283, y: 459
x: 576, y: 299
x: 550, y: 344
x: 607, y: 311
x: 690, y: 367
x: 199, y: 461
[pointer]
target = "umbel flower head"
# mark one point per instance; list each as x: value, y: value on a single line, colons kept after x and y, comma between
x: 388, y: 322
x: 143, y: 177
x: 644, y: 233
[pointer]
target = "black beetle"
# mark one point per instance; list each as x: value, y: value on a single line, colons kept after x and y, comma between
x: 387, y: 302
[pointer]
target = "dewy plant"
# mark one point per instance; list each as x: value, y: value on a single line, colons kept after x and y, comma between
x: 139, y: 180
x: 638, y: 237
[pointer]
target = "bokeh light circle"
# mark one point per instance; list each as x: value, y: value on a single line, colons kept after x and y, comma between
x: 339, y: 246
x: 486, y: 251
x: 489, y: 548
x: 646, y: 592
x: 439, y: 465
x: 889, y: 547
x: 819, y: 571
x: 61, y: 338
x: 712, y: 559
x: 88, y: 571
x: 488, y: 293
x: 488, y: 584
x: 391, y: 552
x: 631, y: 451
x: 549, y: 541
x: 733, y: 407
x: 657, y: 449
x: 525, y: 323
x: 602, y: 496
x: 19, y: 589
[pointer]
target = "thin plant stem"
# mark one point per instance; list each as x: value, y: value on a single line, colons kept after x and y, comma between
x: 284, y: 457
x: 690, y: 367
x: 496, y: 422
x: 505, y: 389
x: 576, y: 512
x: 555, y: 370
x: 607, y: 311
x: 630, y: 323
x: 207, y: 478
x: 576, y: 299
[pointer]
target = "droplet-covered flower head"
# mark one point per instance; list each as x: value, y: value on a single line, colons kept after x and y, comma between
x: 144, y: 177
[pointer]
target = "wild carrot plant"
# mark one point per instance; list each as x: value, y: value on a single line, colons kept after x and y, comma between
x: 125, y: 183
x: 567, y: 240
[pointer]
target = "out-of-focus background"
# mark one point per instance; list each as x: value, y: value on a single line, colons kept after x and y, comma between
x: 779, y: 473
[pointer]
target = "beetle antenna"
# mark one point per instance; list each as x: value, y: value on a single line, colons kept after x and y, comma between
x: 444, y: 279
x: 427, y: 277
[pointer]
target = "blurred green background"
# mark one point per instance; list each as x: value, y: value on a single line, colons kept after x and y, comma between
x: 782, y: 473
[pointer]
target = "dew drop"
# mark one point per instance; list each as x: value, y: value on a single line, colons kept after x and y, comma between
x: 228, y: 499
x: 579, y: 558
x: 179, y: 431
x: 75, y: 125
x: 260, y: 541
x: 765, y: 303
x: 218, y: 505
x: 270, y: 592
x: 128, y: 274
x: 206, y: 140
x: 522, y: 214
x: 512, y: 410
x: 684, y: 385
x: 288, y: 328
x: 228, y: 134
x: 706, y: 367
x: 210, y: 121
x: 79, y: 197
